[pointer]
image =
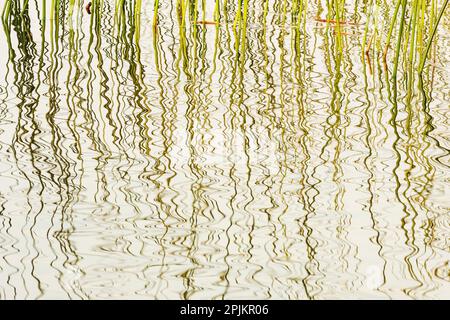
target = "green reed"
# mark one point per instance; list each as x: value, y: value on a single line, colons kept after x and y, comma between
x: 430, y: 40
x: 412, y: 27
x: 409, y: 23
x: 155, y: 15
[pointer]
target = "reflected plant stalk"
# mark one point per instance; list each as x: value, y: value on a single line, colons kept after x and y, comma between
x: 57, y: 174
x: 371, y: 180
x: 24, y: 147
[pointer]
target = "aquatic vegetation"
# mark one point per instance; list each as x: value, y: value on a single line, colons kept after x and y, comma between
x: 220, y: 149
x: 413, y: 23
x: 412, y: 30
x: 431, y: 37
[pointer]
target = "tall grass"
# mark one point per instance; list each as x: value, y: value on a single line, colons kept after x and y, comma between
x: 409, y: 23
x: 430, y: 40
x: 411, y: 28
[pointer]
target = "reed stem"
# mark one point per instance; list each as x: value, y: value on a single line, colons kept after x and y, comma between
x: 433, y: 33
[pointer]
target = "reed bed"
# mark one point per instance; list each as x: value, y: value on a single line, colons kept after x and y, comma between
x: 412, y: 24
x: 412, y: 30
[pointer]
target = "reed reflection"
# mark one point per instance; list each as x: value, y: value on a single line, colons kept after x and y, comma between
x: 220, y: 150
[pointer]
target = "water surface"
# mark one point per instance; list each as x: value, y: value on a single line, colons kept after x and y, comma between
x: 210, y: 162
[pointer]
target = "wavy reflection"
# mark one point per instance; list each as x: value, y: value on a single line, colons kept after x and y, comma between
x: 227, y: 151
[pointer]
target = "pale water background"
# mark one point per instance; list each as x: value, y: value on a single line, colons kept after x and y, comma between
x: 142, y: 163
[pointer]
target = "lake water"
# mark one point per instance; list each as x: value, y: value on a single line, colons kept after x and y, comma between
x: 207, y: 162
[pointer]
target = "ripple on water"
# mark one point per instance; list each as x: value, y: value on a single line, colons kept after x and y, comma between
x: 200, y: 162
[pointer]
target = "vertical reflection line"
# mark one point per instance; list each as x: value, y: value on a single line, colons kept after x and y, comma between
x: 268, y: 93
x: 369, y: 143
x: 229, y: 116
x: 161, y: 240
x: 393, y: 98
x: 243, y: 108
x: 67, y: 225
x: 306, y: 231
x: 284, y: 122
x: 409, y: 159
x: 429, y: 227
x: 88, y: 112
x: 62, y: 165
x: 26, y: 148
x: 193, y: 104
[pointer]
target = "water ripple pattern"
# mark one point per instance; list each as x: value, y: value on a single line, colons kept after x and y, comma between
x: 197, y: 160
